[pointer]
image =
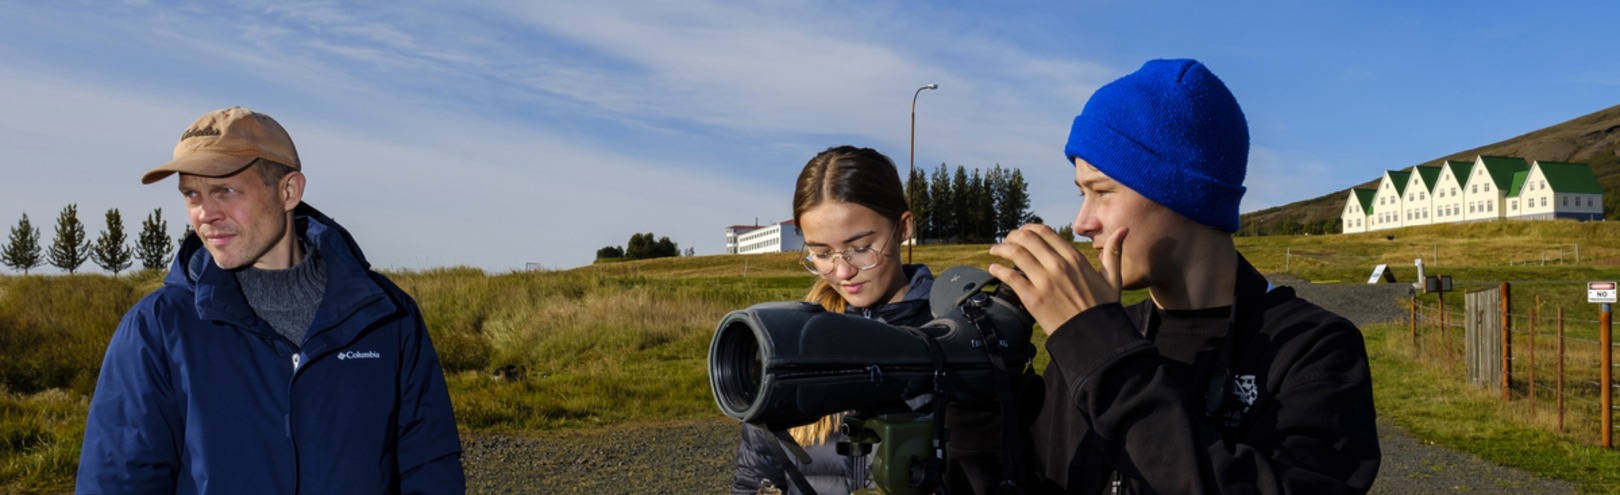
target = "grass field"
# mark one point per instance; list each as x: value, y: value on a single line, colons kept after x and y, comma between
x: 604, y: 344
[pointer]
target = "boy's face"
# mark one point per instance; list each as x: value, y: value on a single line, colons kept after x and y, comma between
x: 1108, y: 206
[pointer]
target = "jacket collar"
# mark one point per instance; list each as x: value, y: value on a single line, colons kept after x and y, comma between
x: 350, y: 291
x: 912, y: 309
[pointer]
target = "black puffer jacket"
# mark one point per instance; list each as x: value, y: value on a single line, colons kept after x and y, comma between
x: 828, y: 472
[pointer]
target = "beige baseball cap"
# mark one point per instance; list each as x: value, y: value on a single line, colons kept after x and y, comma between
x: 224, y: 141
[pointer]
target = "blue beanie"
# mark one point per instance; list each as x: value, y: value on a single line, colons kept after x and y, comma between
x: 1172, y: 132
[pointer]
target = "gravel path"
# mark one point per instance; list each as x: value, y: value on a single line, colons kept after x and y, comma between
x: 695, y: 456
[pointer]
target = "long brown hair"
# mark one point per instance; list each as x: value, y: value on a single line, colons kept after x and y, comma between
x: 852, y: 175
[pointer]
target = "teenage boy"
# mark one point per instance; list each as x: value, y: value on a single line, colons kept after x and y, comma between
x: 1219, y: 382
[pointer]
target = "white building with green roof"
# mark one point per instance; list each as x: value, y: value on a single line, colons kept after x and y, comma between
x: 1488, y: 188
x: 1448, y: 205
x: 1358, y: 210
x: 1387, y: 207
x: 1417, y: 201
x: 1551, y: 190
x: 1488, y: 185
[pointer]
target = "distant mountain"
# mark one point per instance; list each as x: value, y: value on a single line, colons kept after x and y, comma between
x: 1592, y: 139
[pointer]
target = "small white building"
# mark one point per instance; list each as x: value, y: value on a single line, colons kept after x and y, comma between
x: 1551, y: 190
x: 775, y: 238
x: 1418, y: 202
x: 1488, y: 185
x: 1387, y: 203
x: 1357, y: 210
x: 1448, y: 204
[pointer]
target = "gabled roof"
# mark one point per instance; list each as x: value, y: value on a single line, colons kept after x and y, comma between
x: 1399, y: 178
x: 1570, y: 177
x: 1364, y: 198
x: 1429, y: 174
x: 1518, y: 183
x: 1502, y: 168
x: 1460, y: 170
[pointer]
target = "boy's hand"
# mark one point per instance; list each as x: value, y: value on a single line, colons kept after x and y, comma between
x: 1054, y: 281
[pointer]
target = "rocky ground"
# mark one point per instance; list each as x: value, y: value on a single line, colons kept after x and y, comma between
x: 695, y: 456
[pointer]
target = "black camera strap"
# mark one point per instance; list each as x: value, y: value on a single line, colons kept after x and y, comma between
x: 778, y: 451
x: 1013, y: 448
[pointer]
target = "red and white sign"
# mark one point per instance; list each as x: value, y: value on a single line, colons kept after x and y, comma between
x: 1600, y: 292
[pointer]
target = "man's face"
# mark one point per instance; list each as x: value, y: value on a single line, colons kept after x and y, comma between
x: 239, y: 218
x: 1109, y: 206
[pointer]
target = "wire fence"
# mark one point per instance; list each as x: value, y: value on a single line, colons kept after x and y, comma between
x: 1554, y: 358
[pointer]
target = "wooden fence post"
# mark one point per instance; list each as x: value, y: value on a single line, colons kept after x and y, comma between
x: 1412, y: 319
x: 1533, y: 359
x: 1507, y: 345
x: 1560, y: 385
x: 1606, y: 353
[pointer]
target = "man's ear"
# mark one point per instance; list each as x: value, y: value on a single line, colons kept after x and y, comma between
x: 292, y: 190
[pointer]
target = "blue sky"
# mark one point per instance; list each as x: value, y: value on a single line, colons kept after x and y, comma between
x: 494, y: 134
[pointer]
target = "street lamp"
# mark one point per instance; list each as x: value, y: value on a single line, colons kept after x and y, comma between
x: 911, y: 169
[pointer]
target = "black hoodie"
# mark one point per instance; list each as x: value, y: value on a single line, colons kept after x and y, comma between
x: 1121, y: 399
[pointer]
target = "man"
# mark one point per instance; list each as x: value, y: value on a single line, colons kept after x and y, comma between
x: 1219, y: 382
x: 272, y: 360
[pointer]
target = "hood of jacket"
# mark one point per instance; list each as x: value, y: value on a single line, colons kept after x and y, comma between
x: 350, y: 289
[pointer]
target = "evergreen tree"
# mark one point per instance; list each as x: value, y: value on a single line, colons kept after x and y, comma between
x: 22, y: 251
x: 921, y: 207
x: 111, y: 250
x: 1012, y: 207
x: 981, y: 209
x: 943, y: 204
x: 154, y: 245
x: 995, y: 185
x: 70, y: 249
x: 961, y: 202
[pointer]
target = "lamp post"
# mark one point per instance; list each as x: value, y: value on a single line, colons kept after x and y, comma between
x: 911, y: 168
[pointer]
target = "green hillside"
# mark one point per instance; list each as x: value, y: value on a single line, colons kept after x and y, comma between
x: 1593, y: 139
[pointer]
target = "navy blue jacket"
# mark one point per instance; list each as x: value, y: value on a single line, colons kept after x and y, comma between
x: 828, y: 472
x: 199, y: 395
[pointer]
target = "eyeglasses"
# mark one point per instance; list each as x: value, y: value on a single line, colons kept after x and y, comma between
x: 862, y: 258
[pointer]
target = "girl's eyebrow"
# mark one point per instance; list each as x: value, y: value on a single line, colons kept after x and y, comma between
x: 854, y: 238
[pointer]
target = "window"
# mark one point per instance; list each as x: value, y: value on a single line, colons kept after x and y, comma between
x: 1470, y: 207
x: 1513, y: 205
x: 1453, y: 191
x: 1543, y: 201
x: 1487, y: 187
x: 1473, y: 189
x: 1566, y: 200
x: 1543, y: 184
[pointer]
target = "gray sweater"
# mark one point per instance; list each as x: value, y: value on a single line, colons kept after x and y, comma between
x: 286, y: 299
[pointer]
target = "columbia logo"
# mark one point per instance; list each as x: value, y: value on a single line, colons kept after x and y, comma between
x: 358, y: 355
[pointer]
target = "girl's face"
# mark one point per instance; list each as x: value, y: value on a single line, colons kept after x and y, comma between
x: 842, y: 238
